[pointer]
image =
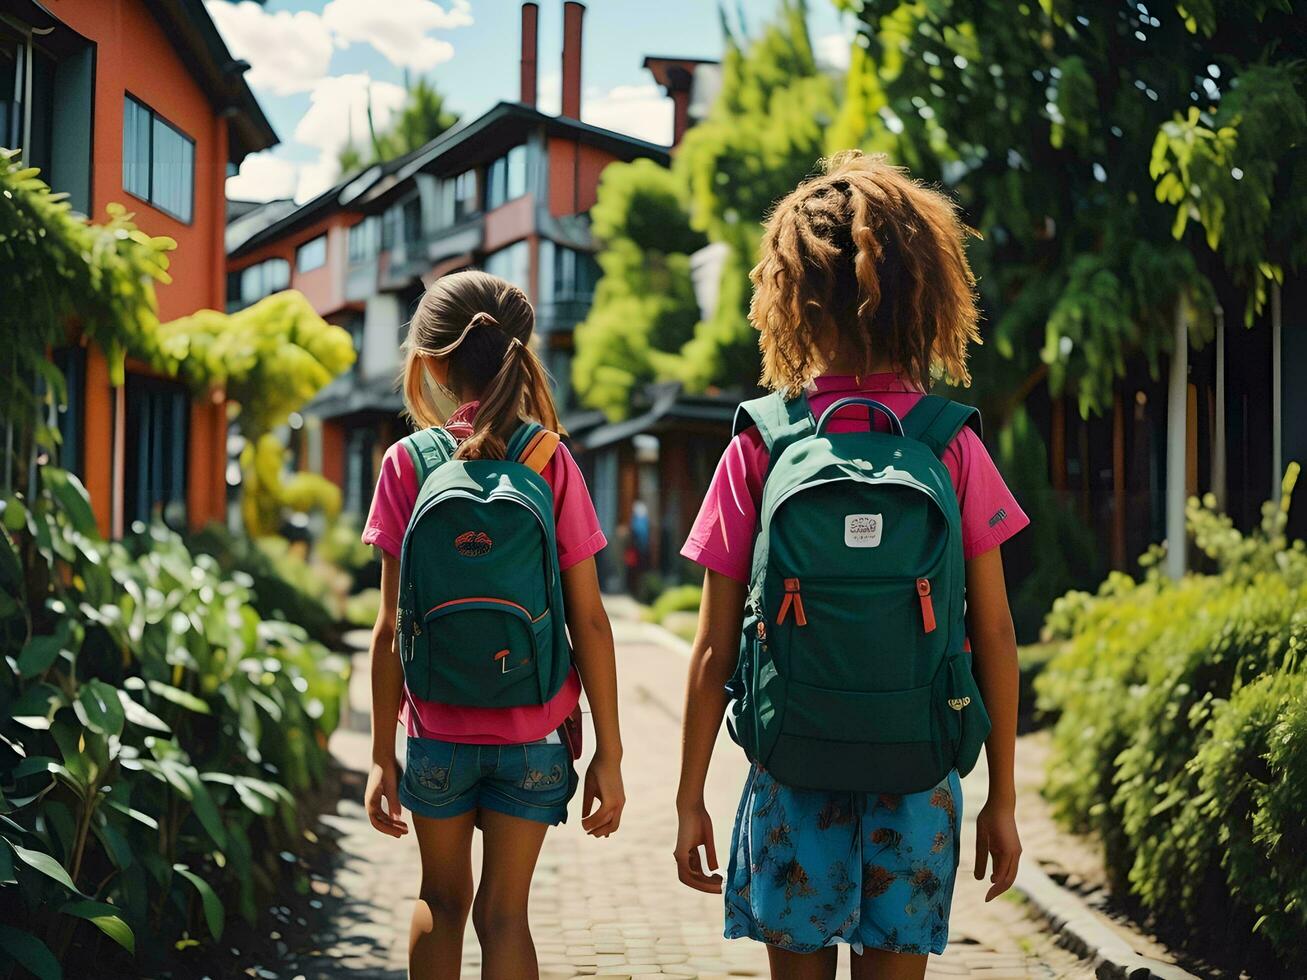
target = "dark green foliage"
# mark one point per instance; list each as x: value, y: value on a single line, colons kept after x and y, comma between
x: 157, y: 737
x: 1083, y: 142
x: 1180, y: 741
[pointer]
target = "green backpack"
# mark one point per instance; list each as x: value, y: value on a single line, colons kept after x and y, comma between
x: 854, y: 673
x: 480, y: 595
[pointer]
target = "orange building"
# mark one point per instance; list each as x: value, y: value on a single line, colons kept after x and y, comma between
x: 137, y: 102
x: 509, y: 192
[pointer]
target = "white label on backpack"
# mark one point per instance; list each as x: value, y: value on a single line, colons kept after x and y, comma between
x: 862, y: 530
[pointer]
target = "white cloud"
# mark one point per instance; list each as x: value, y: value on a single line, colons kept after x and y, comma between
x: 832, y: 51
x: 399, y: 29
x: 338, y: 111
x: 287, y: 51
x: 263, y: 177
x: 641, y: 111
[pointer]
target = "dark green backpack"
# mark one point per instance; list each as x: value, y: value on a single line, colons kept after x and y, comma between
x: 854, y: 672
x: 480, y: 596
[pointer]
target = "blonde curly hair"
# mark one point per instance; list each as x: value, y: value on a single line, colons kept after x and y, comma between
x: 859, y: 263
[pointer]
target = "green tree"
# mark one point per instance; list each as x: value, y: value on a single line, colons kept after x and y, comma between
x: 271, y: 359
x: 1086, y: 142
x: 644, y: 307
x: 423, y: 117
x: 763, y: 134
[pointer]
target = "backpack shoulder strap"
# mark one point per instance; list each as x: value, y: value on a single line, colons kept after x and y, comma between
x: 428, y: 448
x: 779, y: 421
x: 936, y: 421
x: 532, y: 445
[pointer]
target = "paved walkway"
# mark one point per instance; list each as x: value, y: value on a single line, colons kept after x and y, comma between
x: 614, y: 907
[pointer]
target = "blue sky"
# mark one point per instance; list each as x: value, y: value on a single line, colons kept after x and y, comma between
x: 316, y: 65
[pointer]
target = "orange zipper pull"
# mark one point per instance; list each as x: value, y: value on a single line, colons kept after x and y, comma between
x: 927, y: 606
x: 792, y: 599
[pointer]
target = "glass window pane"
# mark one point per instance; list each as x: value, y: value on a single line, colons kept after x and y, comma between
x: 512, y: 263
x: 311, y: 255
x: 277, y: 276
x: 516, y: 165
x: 136, y: 148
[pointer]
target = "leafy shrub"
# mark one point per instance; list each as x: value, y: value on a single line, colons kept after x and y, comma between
x: 1181, y: 737
x: 282, y: 587
x: 362, y: 609
x: 158, y: 740
x: 678, y: 598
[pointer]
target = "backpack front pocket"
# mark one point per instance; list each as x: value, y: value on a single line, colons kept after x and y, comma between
x: 481, y: 651
x: 858, y: 634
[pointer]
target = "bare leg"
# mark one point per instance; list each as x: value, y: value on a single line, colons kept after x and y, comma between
x: 499, y: 913
x: 878, y: 964
x: 786, y: 965
x: 435, y: 939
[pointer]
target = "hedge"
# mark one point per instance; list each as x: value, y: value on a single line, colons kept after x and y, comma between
x: 1182, y: 736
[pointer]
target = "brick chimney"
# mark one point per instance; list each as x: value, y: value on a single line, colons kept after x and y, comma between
x: 530, y: 19
x: 573, y: 14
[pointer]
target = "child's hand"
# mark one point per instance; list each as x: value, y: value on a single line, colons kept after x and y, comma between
x: 696, y: 829
x: 996, y: 838
x: 603, y: 781
x: 383, y: 781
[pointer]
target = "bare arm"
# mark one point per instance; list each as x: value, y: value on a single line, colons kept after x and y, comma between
x: 387, y: 695
x: 592, y: 644
x: 994, y: 645
x: 712, y: 661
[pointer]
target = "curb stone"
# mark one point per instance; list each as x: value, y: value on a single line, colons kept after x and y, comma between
x: 1079, y: 929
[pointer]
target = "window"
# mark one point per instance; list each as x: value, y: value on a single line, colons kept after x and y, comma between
x: 71, y: 418
x: 158, y: 419
x: 365, y: 239
x: 158, y: 161
x: 512, y: 263
x: 411, y: 218
x: 251, y: 284
x: 566, y: 275
x: 457, y: 199
x: 506, y: 178
x: 465, y: 195
x: 311, y: 255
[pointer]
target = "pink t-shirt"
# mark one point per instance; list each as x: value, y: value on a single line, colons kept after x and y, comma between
x: 722, y: 536
x: 579, y: 537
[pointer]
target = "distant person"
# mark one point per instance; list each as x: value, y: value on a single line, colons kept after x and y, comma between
x: 852, y: 691
x: 470, y: 650
x: 638, y: 555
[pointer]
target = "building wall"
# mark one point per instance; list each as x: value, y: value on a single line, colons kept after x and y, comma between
x: 323, y: 287
x: 574, y: 170
x: 134, y: 55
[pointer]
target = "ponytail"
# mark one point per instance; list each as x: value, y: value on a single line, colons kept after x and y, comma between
x: 518, y: 391
x: 483, y: 326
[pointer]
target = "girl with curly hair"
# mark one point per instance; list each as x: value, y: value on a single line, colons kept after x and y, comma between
x: 863, y: 288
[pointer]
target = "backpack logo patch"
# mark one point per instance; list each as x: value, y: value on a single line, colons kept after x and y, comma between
x: 473, y: 544
x: 862, y: 530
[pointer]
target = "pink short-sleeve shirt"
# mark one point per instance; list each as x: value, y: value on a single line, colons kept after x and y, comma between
x: 579, y: 537
x: 722, y: 535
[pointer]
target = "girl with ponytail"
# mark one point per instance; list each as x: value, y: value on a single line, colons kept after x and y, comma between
x: 507, y: 771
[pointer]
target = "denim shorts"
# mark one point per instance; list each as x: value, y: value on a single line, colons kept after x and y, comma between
x: 534, y: 781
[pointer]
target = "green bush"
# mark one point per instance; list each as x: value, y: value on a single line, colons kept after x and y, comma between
x: 361, y: 610
x: 283, y: 586
x: 1181, y: 737
x: 678, y: 598
x: 158, y: 742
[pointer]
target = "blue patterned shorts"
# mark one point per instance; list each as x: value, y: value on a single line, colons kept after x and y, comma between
x: 443, y: 779
x: 809, y: 869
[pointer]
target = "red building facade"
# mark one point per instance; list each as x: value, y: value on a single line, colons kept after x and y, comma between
x: 137, y: 102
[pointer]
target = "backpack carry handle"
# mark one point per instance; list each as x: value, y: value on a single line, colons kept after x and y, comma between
x: 872, y: 405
